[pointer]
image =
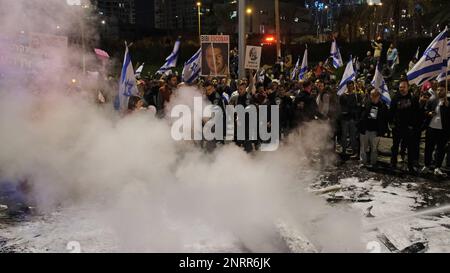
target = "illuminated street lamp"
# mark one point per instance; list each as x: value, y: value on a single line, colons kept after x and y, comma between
x: 249, y: 12
x: 199, y: 5
x: 375, y: 4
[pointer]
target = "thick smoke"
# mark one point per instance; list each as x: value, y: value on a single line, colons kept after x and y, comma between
x: 155, y: 193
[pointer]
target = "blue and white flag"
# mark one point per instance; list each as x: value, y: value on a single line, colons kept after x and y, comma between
x: 336, y: 55
x: 192, y: 68
x: 127, y: 84
x: 304, y: 67
x: 432, y: 63
x: 380, y: 85
x: 171, y: 61
x: 294, y: 72
x: 139, y: 70
x: 441, y: 76
x: 349, y: 75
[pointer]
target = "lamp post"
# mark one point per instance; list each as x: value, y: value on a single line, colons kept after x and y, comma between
x: 249, y: 12
x: 375, y: 5
x: 241, y: 18
x: 277, y: 27
x: 199, y: 5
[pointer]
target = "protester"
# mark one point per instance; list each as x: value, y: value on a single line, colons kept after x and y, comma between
x: 167, y: 89
x: 392, y: 56
x: 372, y: 126
x: 358, y: 119
x: 405, y: 115
x: 437, y: 135
x: 378, y: 48
x: 350, y: 104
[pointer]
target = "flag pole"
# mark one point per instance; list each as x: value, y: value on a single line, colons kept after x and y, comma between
x: 446, y: 63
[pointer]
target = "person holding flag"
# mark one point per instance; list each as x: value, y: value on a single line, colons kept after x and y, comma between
x: 350, y: 103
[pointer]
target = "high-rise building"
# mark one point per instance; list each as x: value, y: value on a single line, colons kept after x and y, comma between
x: 295, y: 18
x: 177, y: 14
x: 129, y: 17
x: 124, y: 11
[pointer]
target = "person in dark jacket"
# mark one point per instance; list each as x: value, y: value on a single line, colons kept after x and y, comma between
x: 405, y: 116
x: 438, y: 113
x: 372, y: 125
x: 306, y: 108
x: 350, y: 104
x: 216, y: 99
x: 285, y: 104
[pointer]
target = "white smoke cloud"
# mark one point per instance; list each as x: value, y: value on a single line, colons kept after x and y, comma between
x: 158, y: 195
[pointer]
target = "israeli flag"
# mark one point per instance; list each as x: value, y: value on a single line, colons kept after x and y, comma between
x: 171, y: 61
x: 441, y: 76
x: 433, y: 61
x: 192, y: 68
x: 336, y: 55
x: 294, y: 72
x: 304, y: 68
x: 380, y: 85
x: 139, y: 70
x: 127, y: 84
x: 349, y: 75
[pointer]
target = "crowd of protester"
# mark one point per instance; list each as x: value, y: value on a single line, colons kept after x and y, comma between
x: 359, y: 118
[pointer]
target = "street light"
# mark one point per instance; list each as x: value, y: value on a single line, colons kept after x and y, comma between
x: 375, y: 5
x: 277, y: 27
x: 199, y: 5
x: 249, y: 12
x: 241, y: 33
